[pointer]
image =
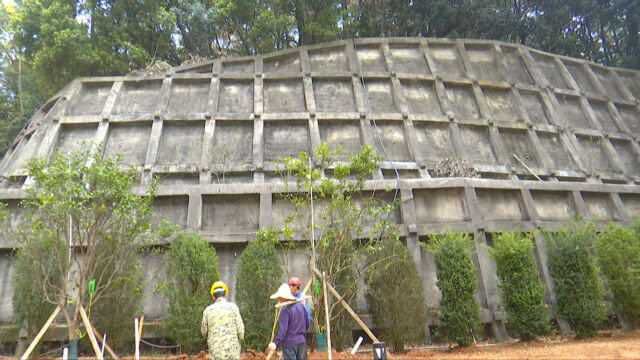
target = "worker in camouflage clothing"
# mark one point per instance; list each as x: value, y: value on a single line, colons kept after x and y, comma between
x: 222, y: 325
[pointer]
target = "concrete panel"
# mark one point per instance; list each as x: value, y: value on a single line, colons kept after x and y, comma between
x: 138, y: 97
x: 580, y: 76
x: 559, y: 156
x: 334, y: 95
x: 434, y: 142
x: 440, y: 205
x: 534, y: 107
x: 371, y: 58
x: 90, y: 99
x: 232, y: 144
x: 501, y: 105
x: 75, y: 137
x: 170, y: 208
x: 341, y: 135
x: 631, y: 117
x: 501, y: 204
x: 238, y: 67
x: 154, y: 305
x: 572, y: 114
x: 236, y: 96
x: 283, y: 96
x: 230, y: 214
x: 432, y: 293
x: 421, y: 97
x: 484, y: 63
x: 631, y: 204
x: 380, y: 96
x: 390, y: 140
x: 517, y: 142
x: 516, y: 69
x: 549, y: 69
x: 25, y: 151
x: 606, y: 79
x: 463, y: 101
x: 477, y: 148
x: 599, y: 206
x: 15, y: 218
x: 601, y: 110
x: 228, y: 262
x: 408, y: 59
x: 593, y: 154
x: 329, y: 60
x: 379, y: 198
x: 554, y: 205
x: 393, y: 174
x: 447, y: 61
x: 181, y: 143
x: 628, y: 156
x: 7, y: 269
x: 240, y: 177
x: 289, y: 63
x: 296, y: 263
x: 632, y: 81
x: 189, y: 96
x: 129, y: 141
x: 285, y: 138
x: 178, y: 179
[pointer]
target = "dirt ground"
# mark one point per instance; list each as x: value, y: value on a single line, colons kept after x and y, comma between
x: 610, y: 345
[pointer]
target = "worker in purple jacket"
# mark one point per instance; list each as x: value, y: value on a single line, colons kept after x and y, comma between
x: 292, y: 326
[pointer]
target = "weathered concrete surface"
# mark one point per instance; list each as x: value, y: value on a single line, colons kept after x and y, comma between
x: 213, y: 134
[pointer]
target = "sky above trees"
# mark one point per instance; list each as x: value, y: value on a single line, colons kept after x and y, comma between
x: 47, y: 43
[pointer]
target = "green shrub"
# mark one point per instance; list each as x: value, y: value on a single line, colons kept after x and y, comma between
x: 578, y: 286
x: 618, y: 252
x: 192, y: 268
x: 522, y: 290
x: 394, y: 293
x: 32, y: 306
x: 259, y: 274
x: 459, y: 312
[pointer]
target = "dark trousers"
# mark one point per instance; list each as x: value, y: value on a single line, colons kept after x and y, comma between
x: 295, y: 352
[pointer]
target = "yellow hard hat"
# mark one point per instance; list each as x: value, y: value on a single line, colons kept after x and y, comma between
x: 217, y: 286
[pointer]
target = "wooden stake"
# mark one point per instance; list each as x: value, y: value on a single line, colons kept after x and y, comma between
x: 141, y: 326
x: 326, y: 314
x: 44, y: 329
x: 109, y: 349
x: 89, y: 328
x: 136, y: 338
x: 346, y: 306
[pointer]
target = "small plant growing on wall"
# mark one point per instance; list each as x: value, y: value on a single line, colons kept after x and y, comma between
x: 394, y: 290
x: 192, y: 266
x: 522, y: 290
x: 259, y: 273
x: 459, y: 312
x: 575, y: 274
x: 618, y: 252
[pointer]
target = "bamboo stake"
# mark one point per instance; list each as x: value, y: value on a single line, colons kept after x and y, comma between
x: 326, y: 314
x: 346, y: 306
x: 526, y: 167
x: 89, y: 328
x: 109, y: 349
x: 141, y: 325
x: 136, y: 338
x: 44, y: 329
